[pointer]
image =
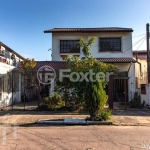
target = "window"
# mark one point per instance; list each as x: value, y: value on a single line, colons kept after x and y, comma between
x: 69, y: 46
x: 110, y: 44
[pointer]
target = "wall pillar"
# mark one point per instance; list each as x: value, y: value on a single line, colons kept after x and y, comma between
x: 51, y: 88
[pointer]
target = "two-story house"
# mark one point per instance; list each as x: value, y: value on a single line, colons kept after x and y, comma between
x: 9, y: 60
x: 112, y: 45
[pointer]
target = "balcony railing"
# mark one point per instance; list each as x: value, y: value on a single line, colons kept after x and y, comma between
x: 4, y: 60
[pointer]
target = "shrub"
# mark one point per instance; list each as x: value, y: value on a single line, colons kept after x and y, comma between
x: 95, y: 98
x: 136, y: 102
x: 54, y: 101
x: 106, y: 114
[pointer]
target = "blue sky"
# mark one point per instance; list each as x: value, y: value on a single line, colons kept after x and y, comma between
x: 22, y: 22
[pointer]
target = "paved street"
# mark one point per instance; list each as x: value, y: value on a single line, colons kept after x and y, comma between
x: 75, y: 138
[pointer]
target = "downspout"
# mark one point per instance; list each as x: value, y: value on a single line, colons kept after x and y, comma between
x: 139, y: 64
x: 128, y: 82
x: 129, y: 67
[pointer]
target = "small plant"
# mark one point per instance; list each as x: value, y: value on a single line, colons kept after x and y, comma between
x: 106, y: 114
x: 136, y: 102
x: 54, y: 101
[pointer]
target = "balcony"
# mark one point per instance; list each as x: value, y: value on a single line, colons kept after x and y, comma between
x: 4, y: 60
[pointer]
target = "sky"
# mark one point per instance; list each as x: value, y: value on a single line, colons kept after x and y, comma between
x: 22, y: 22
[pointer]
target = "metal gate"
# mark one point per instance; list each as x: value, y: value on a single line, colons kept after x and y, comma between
x: 17, y: 93
x: 118, y: 92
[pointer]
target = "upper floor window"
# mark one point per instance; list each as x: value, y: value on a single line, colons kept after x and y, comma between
x: 69, y: 46
x: 110, y: 44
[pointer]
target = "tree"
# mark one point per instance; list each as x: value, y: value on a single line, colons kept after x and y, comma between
x: 27, y: 66
x: 86, y: 46
x: 92, y: 91
x: 30, y: 76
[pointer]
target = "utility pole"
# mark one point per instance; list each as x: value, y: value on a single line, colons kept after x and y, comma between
x: 148, y: 51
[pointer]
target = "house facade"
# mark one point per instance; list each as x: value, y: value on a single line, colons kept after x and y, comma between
x: 141, y: 68
x: 112, y: 45
x: 142, y: 75
x: 9, y: 60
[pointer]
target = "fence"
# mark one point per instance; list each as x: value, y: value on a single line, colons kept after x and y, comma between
x: 15, y: 93
x: 9, y: 89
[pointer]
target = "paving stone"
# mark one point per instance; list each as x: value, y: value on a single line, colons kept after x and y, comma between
x: 21, y: 121
x: 119, y: 119
x: 131, y: 120
x: 32, y: 120
x: 143, y: 121
x: 10, y: 121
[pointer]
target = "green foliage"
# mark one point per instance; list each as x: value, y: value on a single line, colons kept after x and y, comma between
x: 106, y: 114
x: 103, y: 115
x: 27, y: 69
x: 136, y: 102
x: 28, y: 65
x: 86, y: 46
x: 95, y: 98
x: 89, y: 92
x: 54, y: 101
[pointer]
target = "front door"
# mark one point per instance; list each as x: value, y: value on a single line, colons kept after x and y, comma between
x: 120, y: 93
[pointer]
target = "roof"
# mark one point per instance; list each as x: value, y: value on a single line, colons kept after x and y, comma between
x: 140, y: 52
x: 56, y: 65
x: 62, y: 64
x: 117, y: 60
x: 12, y: 51
x: 85, y: 30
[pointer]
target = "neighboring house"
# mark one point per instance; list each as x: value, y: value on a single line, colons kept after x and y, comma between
x: 9, y: 60
x: 112, y: 45
x: 141, y: 69
x: 141, y: 75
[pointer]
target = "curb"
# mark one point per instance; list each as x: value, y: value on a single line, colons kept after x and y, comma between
x: 131, y: 124
x: 74, y: 122
x: 50, y: 122
x: 88, y: 123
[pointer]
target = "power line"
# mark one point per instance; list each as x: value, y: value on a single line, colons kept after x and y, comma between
x: 135, y: 44
x: 141, y: 42
x: 133, y: 37
x: 130, y: 46
x: 122, y: 39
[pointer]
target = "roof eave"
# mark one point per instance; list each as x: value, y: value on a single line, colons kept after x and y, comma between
x: 12, y: 51
x: 83, y: 31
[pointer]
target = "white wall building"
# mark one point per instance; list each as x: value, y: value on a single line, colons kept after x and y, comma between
x: 9, y: 60
x: 112, y: 45
x: 142, y: 76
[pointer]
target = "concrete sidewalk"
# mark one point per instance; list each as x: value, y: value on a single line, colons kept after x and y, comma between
x: 131, y: 118
x: 119, y: 118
